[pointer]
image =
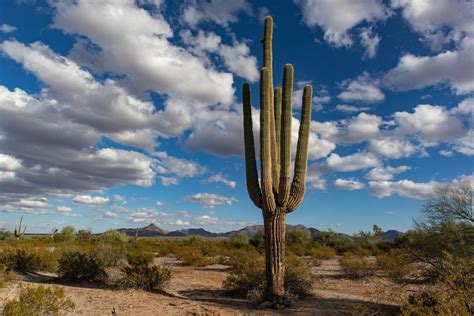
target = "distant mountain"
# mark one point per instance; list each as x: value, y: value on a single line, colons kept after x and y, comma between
x: 391, y: 235
x: 153, y: 231
x: 147, y: 231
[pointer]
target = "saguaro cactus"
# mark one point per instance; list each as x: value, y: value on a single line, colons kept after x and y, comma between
x: 274, y: 196
x: 19, y: 231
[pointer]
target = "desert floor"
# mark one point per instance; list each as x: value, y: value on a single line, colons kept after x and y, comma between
x: 197, y: 291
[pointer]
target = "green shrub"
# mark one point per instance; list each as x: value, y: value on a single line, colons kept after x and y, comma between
x: 193, y: 256
x: 27, y: 259
x: 297, y: 236
x: 238, y: 241
x: 357, y: 266
x: 7, y: 275
x: 114, y: 237
x: 84, y: 235
x: 395, y: 264
x: 110, y: 255
x: 247, y: 278
x: 140, y: 274
x: 67, y: 234
x: 81, y: 266
x: 339, y: 242
x: 258, y: 241
x: 38, y: 301
x: 322, y: 252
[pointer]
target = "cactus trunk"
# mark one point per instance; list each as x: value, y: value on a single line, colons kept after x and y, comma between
x: 275, y: 256
x: 274, y: 194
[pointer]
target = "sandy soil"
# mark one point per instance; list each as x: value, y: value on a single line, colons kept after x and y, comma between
x: 198, y: 292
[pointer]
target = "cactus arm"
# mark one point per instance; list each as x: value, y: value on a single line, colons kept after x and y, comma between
x: 277, y: 97
x: 265, y: 142
x: 298, y: 185
x: 268, y: 63
x: 285, y: 139
x: 253, y: 186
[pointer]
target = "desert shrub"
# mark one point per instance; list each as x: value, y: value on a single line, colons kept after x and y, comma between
x: 258, y: 241
x: 141, y: 274
x: 81, y: 266
x: 297, y: 236
x: 110, y: 255
x: 39, y: 300
x: 84, y: 235
x: 395, y: 264
x: 193, y: 256
x: 357, y: 266
x: 27, y: 259
x: 452, y: 294
x: 113, y: 237
x: 5, y: 234
x: 247, y: 278
x: 67, y: 234
x: 237, y: 241
x: 321, y: 252
x: 7, y: 275
x: 339, y: 242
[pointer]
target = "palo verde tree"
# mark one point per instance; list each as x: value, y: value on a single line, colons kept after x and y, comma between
x: 275, y: 196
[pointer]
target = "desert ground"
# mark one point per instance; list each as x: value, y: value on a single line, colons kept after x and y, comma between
x: 198, y: 291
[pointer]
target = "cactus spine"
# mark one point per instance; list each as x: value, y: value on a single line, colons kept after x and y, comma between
x: 274, y: 195
x: 19, y: 231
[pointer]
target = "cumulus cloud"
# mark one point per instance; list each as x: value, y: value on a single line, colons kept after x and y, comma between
x: 362, y: 89
x: 337, y: 18
x: 432, y: 124
x: 336, y: 163
x: 370, y: 42
x: 178, y: 167
x: 348, y: 184
x: 220, y: 178
x: 385, y: 173
x: 403, y: 188
x: 211, y: 200
x: 395, y: 148
x: 451, y: 68
x: 439, y: 22
x: 346, y: 108
x: 7, y: 28
x: 236, y: 57
x: 220, y: 12
x: 91, y: 200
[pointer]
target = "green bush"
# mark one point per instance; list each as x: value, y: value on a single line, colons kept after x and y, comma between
x: 141, y: 274
x: 322, y: 252
x: 339, y: 242
x: 27, y: 259
x: 67, y: 234
x: 7, y: 275
x: 395, y: 264
x: 193, y: 256
x: 356, y: 266
x: 297, y: 236
x: 247, y: 278
x: 81, y: 266
x: 114, y: 237
x: 237, y: 241
x: 84, y: 235
x: 38, y: 301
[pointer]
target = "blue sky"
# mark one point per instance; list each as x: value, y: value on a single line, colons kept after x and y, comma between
x: 122, y: 113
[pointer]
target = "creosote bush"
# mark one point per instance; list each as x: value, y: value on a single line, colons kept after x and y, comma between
x: 39, y: 300
x: 247, y: 278
x: 28, y: 259
x: 395, y: 264
x: 113, y: 237
x: 81, y: 266
x: 356, y: 266
x: 142, y: 274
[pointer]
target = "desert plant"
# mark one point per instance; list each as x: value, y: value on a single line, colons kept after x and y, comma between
x: 193, y: 256
x: 395, y: 264
x: 28, y: 259
x: 275, y: 196
x: 7, y: 275
x: 113, y: 236
x: 356, y: 266
x: 20, y: 231
x: 81, y: 266
x: 39, y: 300
x: 67, y: 234
x: 322, y: 252
x: 141, y: 274
x: 84, y: 235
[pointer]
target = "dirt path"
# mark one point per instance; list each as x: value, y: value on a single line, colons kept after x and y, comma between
x: 333, y: 295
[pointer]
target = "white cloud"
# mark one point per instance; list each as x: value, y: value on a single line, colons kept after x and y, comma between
x: 64, y: 209
x: 211, y: 200
x: 403, y: 188
x: 336, y: 18
x: 34, y: 203
x: 440, y: 21
x: 219, y: 177
x: 432, y: 124
x: 452, y: 68
x: 446, y: 153
x: 9, y: 163
x: 159, y: 203
x: 91, y: 200
x: 465, y: 145
x: 385, y: 173
x: 357, y: 161
x: 180, y: 222
x: 362, y: 89
x: 346, y: 108
x: 348, y: 184
x: 6, y: 28
x: 134, y: 42
x: 221, y: 12
x: 177, y: 167
x: 237, y: 57
x: 395, y: 148
x: 370, y: 41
